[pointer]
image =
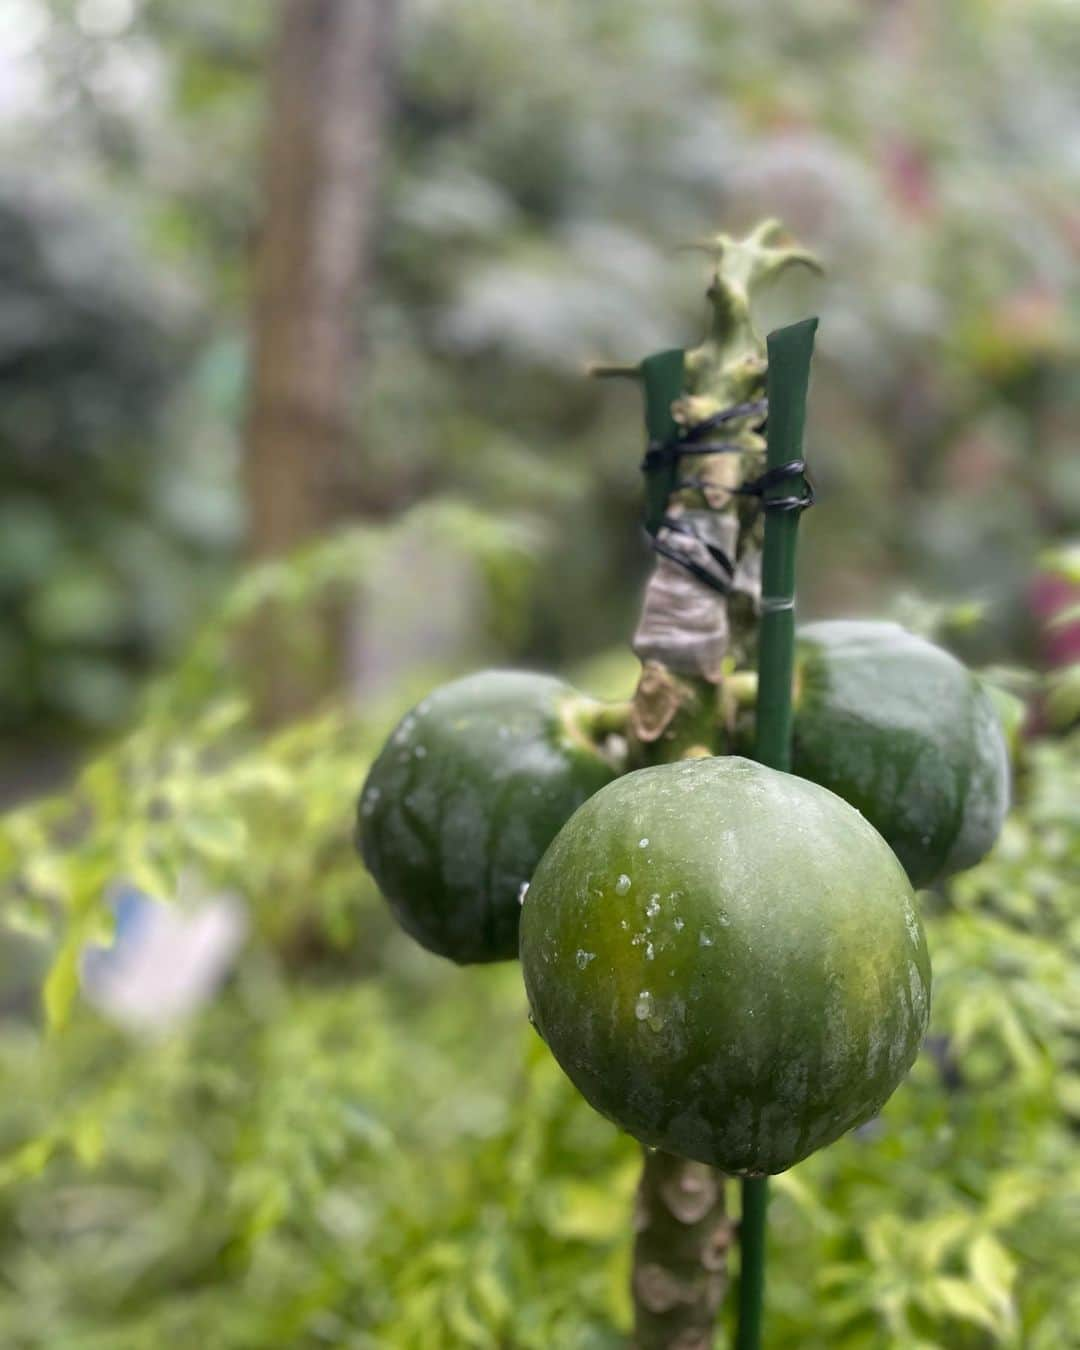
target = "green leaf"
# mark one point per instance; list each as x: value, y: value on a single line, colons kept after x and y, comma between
x: 582, y: 1211
x: 221, y: 838
x: 960, y: 1299
x: 1063, y: 562
x: 993, y: 1270
x: 62, y: 982
x: 1063, y: 697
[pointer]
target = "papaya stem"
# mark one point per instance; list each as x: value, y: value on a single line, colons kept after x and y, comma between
x: 671, y: 715
x: 680, y: 1253
x: 592, y: 720
x: 602, y: 727
x: 609, y: 719
x: 741, y: 687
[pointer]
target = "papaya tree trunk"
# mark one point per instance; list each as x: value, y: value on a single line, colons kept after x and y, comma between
x: 680, y: 1253
x: 696, y: 625
x: 327, y: 96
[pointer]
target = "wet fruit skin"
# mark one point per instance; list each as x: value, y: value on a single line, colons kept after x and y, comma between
x: 905, y: 733
x: 462, y: 801
x: 727, y: 961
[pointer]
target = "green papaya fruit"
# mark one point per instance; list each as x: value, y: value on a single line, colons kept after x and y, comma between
x: 463, y: 799
x: 727, y: 961
x: 900, y: 729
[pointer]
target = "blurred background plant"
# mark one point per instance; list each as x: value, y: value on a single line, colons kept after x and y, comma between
x: 542, y: 166
x: 104, y: 540
x: 353, y: 1144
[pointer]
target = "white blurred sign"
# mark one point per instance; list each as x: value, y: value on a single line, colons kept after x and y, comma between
x: 166, y: 960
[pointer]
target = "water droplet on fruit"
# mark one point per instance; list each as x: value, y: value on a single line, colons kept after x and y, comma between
x: 583, y: 958
x: 644, y: 1006
x: 405, y: 730
x: 680, y: 924
x: 643, y: 843
x: 705, y: 938
x: 650, y: 951
x: 523, y: 891
x: 652, y: 909
x: 622, y: 885
x: 420, y: 751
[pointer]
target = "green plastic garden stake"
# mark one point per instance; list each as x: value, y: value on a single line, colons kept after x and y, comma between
x: 788, y: 376
x: 662, y: 377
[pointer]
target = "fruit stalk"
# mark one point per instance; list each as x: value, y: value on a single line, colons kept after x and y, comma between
x: 789, y: 350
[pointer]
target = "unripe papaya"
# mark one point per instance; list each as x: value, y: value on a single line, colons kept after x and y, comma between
x: 900, y: 729
x: 463, y: 799
x: 727, y: 961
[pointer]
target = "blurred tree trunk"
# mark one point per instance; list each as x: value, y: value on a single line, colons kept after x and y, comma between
x: 328, y: 90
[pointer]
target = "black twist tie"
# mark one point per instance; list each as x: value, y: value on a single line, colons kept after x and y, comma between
x: 757, y: 487
x: 695, y: 569
x: 661, y: 458
x: 759, y: 408
x: 660, y: 454
x: 717, y: 554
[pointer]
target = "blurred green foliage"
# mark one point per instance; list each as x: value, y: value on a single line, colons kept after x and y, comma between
x: 356, y: 1144
x: 546, y: 161
x: 103, y: 537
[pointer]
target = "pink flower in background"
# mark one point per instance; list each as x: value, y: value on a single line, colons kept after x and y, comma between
x: 909, y: 175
